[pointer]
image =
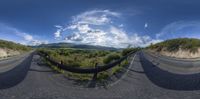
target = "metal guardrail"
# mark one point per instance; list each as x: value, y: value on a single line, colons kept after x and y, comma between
x: 97, y: 69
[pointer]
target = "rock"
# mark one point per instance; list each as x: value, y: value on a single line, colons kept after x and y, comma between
x: 186, y: 54
x: 3, y: 53
x: 8, y: 52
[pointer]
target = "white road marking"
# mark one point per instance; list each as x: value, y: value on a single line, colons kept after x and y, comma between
x: 124, y: 73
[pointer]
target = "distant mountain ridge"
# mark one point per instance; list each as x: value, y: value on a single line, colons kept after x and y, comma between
x: 72, y: 45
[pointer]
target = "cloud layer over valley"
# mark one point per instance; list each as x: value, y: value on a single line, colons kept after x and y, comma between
x: 100, y: 27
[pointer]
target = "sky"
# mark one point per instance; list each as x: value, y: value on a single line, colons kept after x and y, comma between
x: 112, y: 23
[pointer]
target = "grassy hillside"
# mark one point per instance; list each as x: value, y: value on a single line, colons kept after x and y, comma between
x: 13, y: 46
x: 173, y: 45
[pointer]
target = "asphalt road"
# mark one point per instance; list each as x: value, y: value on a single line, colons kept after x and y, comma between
x: 146, y: 78
x: 11, y: 62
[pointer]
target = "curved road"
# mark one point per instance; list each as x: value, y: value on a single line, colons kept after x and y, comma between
x: 146, y: 78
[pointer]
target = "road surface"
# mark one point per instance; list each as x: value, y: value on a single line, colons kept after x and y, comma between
x: 11, y: 62
x: 146, y: 78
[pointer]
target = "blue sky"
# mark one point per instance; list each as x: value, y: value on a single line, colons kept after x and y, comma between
x: 114, y: 23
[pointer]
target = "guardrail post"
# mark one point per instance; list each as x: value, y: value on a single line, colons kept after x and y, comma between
x: 96, y: 72
x: 61, y: 62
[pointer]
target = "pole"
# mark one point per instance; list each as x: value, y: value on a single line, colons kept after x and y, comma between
x: 95, y: 74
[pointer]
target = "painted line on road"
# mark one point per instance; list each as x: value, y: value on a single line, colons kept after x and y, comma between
x: 124, y: 73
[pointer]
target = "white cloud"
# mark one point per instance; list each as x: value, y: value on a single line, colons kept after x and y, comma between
x: 145, y: 25
x: 98, y: 27
x: 180, y: 29
x: 25, y: 36
x: 38, y: 42
x: 28, y: 37
x: 22, y: 37
x: 121, y: 25
x: 95, y: 17
x: 57, y: 33
x: 58, y: 26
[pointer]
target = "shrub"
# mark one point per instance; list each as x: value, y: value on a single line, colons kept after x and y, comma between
x: 111, y: 58
x: 103, y: 75
x: 128, y: 50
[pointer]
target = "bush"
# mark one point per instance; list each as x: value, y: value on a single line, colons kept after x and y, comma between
x: 103, y: 75
x: 128, y: 50
x: 111, y: 58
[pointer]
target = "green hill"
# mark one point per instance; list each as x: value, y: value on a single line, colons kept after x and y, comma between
x: 72, y: 45
x: 13, y: 46
x: 173, y: 45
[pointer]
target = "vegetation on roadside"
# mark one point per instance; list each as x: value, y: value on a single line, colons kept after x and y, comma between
x: 13, y: 46
x: 174, y: 45
x: 86, y: 59
x: 111, y: 57
x: 78, y: 57
x: 128, y: 50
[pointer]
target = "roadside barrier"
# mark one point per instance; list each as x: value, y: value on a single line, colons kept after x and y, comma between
x: 97, y: 69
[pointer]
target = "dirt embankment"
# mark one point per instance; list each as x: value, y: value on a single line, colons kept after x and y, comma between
x: 179, y: 54
x: 7, y: 53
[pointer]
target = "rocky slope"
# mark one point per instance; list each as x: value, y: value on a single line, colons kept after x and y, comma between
x: 179, y: 54
x: 178, y: 48
x: 8, y: 49
x: 8, y: 52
